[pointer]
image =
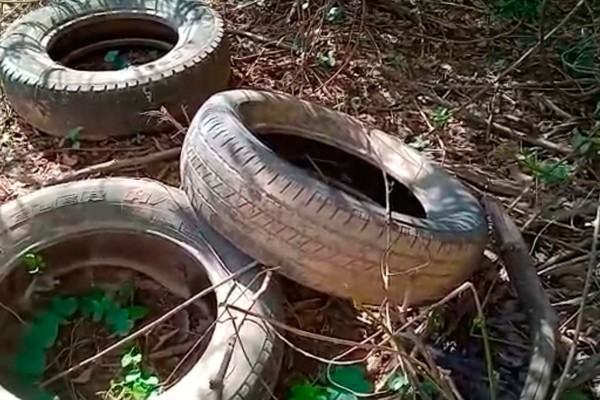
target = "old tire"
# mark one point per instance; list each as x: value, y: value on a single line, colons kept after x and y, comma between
x: 138, y: 207
x: 321, y: 236
x: 99, y: 104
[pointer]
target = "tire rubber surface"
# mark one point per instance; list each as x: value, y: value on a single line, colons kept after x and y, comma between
x: 323, y: 237
x: 101, y: 104
x: 130, y: 205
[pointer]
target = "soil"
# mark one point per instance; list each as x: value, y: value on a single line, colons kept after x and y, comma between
x: 168, y: 351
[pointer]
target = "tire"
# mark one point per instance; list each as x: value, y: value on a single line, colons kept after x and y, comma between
x: 99, y: 104
x: 138, y: 207
x: 323, y: 237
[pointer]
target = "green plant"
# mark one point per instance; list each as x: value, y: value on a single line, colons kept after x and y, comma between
x: 441, y: 116
x: 549, y: 171
x: 342, y: 383
x: 74, y: 137
x: 334, y: 14
x: 419, y: 142
x: 42, y: 333
x: 574, y: 394
x: 518, y: 9
x: 34, y: 263
x: 326, y: 59
x: 587, y: 143
x: 114, y: 57
x: 134, y: 382
x: 100, y: 305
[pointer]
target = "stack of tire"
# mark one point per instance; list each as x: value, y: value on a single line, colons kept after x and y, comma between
x: 238, y: 195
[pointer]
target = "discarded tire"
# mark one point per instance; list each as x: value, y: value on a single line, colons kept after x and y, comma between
x: 88, y: 214
x: 42, y: 71
x: 322, y: 236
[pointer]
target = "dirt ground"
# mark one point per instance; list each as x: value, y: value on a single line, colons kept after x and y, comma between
x: 470, y: 84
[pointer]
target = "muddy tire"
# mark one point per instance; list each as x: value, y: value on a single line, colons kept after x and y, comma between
x: 99, y: 104
x: 138, y: 207
x: 322, y: 236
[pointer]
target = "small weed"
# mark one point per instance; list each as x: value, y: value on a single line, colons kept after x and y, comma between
x: 399, y: 383
x: 397, y: 60
x: 74, y: 137
x: 342, y: 384
x: 34, y: 263
x: 477, y: 323
x: 99, y: 305
x: 134, y: 383
x: 441, y: 116
x: 587, y: 143
x: 436, y: 318
x: 41, y: 334
x: 326, y: 59
x: 114, y: 57
x: 419, y: 142
x: 334, y: 14
x: 574, y: 394
x: 518, y: 9
x: 549, y: 171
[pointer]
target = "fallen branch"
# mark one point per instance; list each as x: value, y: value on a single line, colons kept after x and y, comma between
x: 542, y: 318
x: 586, y: 288
x: 114, y: 165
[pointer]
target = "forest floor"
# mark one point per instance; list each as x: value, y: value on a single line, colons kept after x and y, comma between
x: 468, y: 83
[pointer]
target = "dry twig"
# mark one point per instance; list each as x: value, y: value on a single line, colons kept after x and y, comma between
x: 114, y: 165
x: 586, y: 288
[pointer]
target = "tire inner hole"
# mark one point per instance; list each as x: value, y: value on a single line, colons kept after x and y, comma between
x: 346, y: 172
x: 105, y: 274
x: 109, y: 43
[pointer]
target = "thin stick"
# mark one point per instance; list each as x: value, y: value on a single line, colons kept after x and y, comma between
x: 586, y: 288
x: 150, y: 325
x: 311, y: 335
x: 114, y: 165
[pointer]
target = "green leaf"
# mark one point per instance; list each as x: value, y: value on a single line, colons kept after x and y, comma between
x: 74, y: 137
x: 152, y: 380
x: 428, y: 390
x: 307, y: 391
x: 327, y: 59
x: 30, y: 363
x: 137, y: 312
x: 117, y: 321
x: 398, y: 382
x: 111, y: 56
x: 95, y: 304
x: 334, y: 14
x: 34, y: 263
x: 63, y: 306
x: 133, y: 375
x: 42, y: 332
x: 351, y: 378
x: 574, y: 394
x: 132, y: 358
x: 338, y: 394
